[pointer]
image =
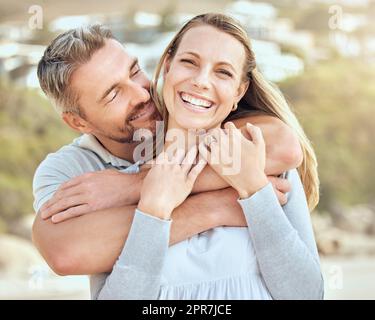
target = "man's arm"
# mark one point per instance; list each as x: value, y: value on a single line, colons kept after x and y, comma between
x: 109, y: 188
x: 91, y: 244
x: 283, y: 149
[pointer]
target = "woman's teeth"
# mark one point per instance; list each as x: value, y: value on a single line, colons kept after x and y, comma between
x: 195, y: 101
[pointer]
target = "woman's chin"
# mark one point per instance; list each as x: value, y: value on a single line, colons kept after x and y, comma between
x: 194, y: 124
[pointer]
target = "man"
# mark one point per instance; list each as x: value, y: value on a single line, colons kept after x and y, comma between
x: 102, y: 93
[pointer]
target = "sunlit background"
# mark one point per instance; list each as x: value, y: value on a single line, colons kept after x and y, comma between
x: 322, y: 55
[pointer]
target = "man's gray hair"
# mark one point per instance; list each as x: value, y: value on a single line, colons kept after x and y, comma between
x: 62, y: 57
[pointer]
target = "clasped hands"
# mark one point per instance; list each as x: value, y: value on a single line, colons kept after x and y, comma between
x: 107, y: 188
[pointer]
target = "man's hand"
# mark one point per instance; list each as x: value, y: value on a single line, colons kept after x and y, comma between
x: 91, y: 192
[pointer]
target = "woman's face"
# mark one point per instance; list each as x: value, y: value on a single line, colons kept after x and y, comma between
x: 203, y: 80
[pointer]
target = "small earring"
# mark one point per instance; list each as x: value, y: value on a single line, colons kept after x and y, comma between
x: 235, y: 106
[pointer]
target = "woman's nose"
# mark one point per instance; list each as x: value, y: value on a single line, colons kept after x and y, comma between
x: 202, y: 79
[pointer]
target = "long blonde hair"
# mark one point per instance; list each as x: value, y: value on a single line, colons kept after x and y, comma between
x: 260, y: 96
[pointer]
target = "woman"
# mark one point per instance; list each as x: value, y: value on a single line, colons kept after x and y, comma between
x: 207, y: 69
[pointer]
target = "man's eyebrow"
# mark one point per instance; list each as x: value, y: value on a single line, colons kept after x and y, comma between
x: 220, y: 62
x: 133, y: 64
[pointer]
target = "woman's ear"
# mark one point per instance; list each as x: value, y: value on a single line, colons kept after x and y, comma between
x: 167, y: 64
x: 242, y: 90
x: 76, y: 122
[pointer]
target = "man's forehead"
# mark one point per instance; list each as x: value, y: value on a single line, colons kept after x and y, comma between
x: 107, y: 63
x: 112, y: 55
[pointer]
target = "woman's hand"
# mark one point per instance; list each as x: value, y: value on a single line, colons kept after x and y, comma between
x: 247, y: 157
x: 169, y: 182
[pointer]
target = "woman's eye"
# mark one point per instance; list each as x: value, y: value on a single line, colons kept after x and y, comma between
x: 188, y: 61
x: 226, y: 73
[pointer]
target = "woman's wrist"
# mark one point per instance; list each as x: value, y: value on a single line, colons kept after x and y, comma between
x: 159, y: 210
x: 257, y: 183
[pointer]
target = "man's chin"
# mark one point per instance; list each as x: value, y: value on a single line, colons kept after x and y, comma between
x: 123, y: 140
x: 150, y: 124
x: 146, y: 129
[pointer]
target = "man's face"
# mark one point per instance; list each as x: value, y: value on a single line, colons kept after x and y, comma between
x: 114, y: 94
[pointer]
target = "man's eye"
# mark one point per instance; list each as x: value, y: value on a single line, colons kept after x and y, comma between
x: 136, y: 71
x: 113, y: 97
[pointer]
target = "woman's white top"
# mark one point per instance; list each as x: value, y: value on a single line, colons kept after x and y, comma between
x: 275, y: 257
x: 217, y: 264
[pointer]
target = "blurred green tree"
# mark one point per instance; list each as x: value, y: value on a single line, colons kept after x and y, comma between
x: 29, y: 130
x: 335, y: 102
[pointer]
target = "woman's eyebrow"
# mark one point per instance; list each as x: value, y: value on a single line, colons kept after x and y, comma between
x: 227, y: 64
x: 189, y: 52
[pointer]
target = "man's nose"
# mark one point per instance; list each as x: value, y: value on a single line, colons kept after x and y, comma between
x: 139, y: 94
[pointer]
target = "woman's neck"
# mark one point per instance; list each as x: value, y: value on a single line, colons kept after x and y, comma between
x: 179, y: 137
x: 182, y: 138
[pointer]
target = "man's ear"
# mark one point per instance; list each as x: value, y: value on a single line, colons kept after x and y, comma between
x: 76, y: 122
x: 242, y: 90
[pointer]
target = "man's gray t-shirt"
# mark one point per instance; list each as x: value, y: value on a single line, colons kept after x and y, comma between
x: 84, y: 154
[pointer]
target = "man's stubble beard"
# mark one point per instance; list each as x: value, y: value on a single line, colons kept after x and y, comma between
x: 129, y: 129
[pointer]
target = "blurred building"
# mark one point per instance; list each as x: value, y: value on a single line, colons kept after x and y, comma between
x: 18, y: 62
x: 15, y: 32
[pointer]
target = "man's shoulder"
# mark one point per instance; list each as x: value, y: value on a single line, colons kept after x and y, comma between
x: 70, y: 160
x: 58, y: 167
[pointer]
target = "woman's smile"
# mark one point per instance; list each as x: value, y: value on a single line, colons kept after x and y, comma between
x: 196, y: 103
